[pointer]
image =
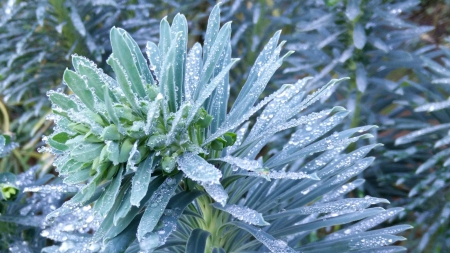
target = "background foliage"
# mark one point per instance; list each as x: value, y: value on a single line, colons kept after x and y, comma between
x: 396, y: 53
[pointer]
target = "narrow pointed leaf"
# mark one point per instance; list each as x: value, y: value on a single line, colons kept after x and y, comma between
x: 156, y: 206
x: 197, y: 241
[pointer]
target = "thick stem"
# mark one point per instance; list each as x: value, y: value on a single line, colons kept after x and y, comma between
x: 213, y: 219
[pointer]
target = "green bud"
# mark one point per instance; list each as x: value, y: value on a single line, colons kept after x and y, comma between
x: 109, y: 171
x: 125, y: 149
x: 156, y: 141
x: 124, y: 113
x: 79, y: 128
x: 160, y: 128
x: 144, y: 151
x: 204, y: 119
x: 218, y: 144
x: 58, y: 141
x: 94, y: 166
x: 90, y: 137
x: 230, y: 137
x: 9, y: 192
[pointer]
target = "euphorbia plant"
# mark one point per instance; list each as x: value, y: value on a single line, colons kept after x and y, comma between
x: 168, y: 169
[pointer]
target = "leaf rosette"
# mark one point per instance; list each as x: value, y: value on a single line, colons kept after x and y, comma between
x: 156, y: 144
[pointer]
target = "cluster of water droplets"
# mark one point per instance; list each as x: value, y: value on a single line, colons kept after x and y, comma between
x: 74, y: 231
x: 245, y: 214
x: 198, y: 169
x: 416, y: 134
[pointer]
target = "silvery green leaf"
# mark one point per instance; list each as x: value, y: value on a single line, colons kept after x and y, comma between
x: 108, y: 230
x: 374, y: 241
x: 435, y: 67
x: 69, y: 166
x: 266, y: 64
x: 87, y: 68
x: 353, y: 9
x: 274, y: 245
x: 321, y: 223
x: 433, y: 160
x: 313, y: 129
x: 78, y: 85
x: 79, y: 177
x: 123, y: 81
x: 233, y: 123
x: 278, y: 110
x: 243, y: 213
x: 218, y: 101
x: 243, y: 163
x: 76, y: 20
x: 156, y: 206
x: 193, y: 70
x: 110, y: 109
x: 167, y: 85
x: 361, y: 77
x: 125, y: 54
x: 323, y: 21
x: 444, y: 141
x: 86, y: 152
x: 431, y: 107
x: 164, y: 37
x: 133, y: 157
x: 310, y: 99
x: 359, y: 36
x: 141, y: 64
x: 441, y: 81
x: 267, y: 174
x: 212, y: 30
x: 197, y: 241
x: 51, y: 188
x: 380, y: 44
x: 216, y: 192
x: 113, y: 150
x: 106, y: 201
x: 209, y: 88
x: 328, y: 143
x: 62, y: 101
x: 152, y: 114
x: 122, y: 241
x: 142, y: 179
x: 154, y: 57
x: 107, y: 223
x: 197, y: 169
x: 215, y: 51
x: 179, y: 30
x: 348, y: 173
x: 344, y: 189
x: 218, y: 250
x: 179, y: 123
x: 124, y: 206
x: 348, y: 204
x: 419, y: 133
x: 40, y: 14
x: 169, y: 219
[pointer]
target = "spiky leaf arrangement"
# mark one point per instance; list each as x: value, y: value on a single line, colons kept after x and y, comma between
x: 168, y: 169
x: 426, y: 147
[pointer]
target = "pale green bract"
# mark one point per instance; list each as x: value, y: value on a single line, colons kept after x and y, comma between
x: 167, y: 169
